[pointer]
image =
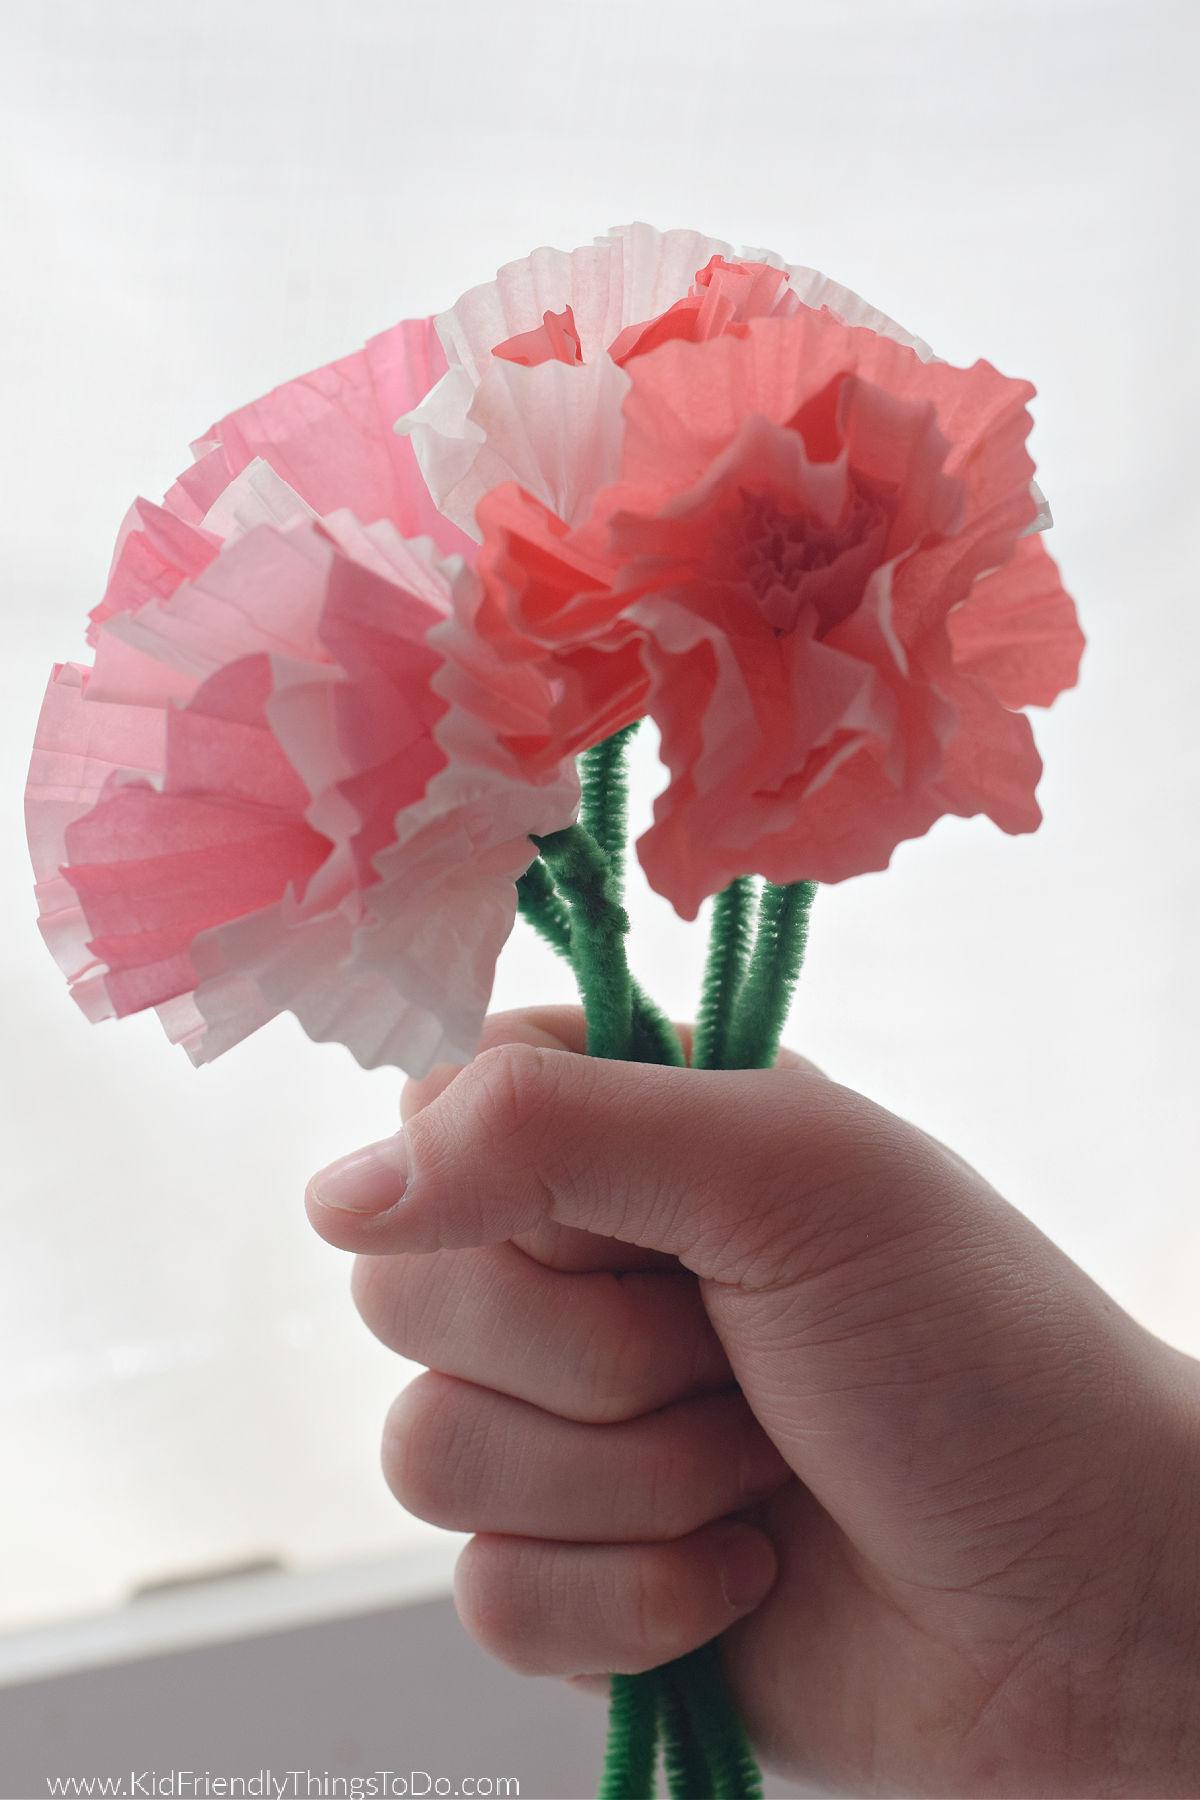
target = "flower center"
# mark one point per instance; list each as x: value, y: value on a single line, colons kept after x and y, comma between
x: 790, y: 561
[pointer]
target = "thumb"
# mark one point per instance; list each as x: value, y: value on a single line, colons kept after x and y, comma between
x: 708, y: 1166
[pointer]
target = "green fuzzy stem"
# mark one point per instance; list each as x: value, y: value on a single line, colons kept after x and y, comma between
x: 700, y: 1684
x: 686, y: 1767
x: 605, y: 797
x: 766, y: 992
x: 654, y: 1038
x: 538, y: 901
x: 604, y: 812
x: 728, y: 955
x: 572, y: 896
x: 598, y: 926
x: 604, y: 815
x: 632, y: 1750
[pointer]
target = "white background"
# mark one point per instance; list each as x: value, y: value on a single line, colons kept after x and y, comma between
x: 202, y: 200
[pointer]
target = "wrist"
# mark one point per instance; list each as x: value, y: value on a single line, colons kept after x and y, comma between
x: 1135, y: 1699
x: 1164, y: 1649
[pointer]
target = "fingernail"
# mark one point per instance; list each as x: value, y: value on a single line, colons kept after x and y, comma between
x: 600, y: 1685
x: 746, y: 1566
x: 367, y: 1181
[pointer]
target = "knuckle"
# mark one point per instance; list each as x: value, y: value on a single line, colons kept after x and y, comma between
x: 400, y: 1301
x: 678, y: 1478
x: 601, y: 1398
x: 420, y: 1464
x: 496, y: 1112
x: 372, y: 1285
x: 656, y: 1615
x: 818, y: 1204
x: 613, y: 1374
x: 495, y: 1594
x: 509, y: 1091
x: 631, y: 1357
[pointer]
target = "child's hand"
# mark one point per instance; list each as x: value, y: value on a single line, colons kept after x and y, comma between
x: 656, y: 1301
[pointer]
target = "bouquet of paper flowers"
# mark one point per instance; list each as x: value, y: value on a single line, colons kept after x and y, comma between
x: 362, y: 685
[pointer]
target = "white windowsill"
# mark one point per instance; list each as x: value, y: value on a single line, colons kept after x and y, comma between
x: 220, y: 1609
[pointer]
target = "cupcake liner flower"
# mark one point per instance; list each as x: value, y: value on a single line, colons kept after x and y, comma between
x: 812, y: 570
x: 206, y: 804
x: 258, y: 800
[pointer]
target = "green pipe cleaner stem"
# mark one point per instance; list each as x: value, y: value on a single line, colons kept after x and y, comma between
x: 604, y: 814
x: 724, y: 972
x: 604, y: 806
x: 604, y: 811
x: 575, y: 900
x: 632, y: 1749
x: 699, y: 1681
x: 766, y: 992
x: 684, y: 1762
x: 598, y: 926
x: 654, y: 1038
x: 538, y: 900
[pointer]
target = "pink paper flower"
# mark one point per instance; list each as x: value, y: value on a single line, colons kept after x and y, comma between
x: 810, y: 569
x: 262, y: 797
x: 320, y: 442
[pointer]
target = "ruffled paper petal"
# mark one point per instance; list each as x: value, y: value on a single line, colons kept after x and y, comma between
x: 405, y: 981
x: 265, y: 593
x: 155, y: 553
x: 255, y: 496
x: 558, y: 436
x: 403, y: 976
x: 1017, y: 630
x: 446, y: 900
x: 329, y: 436
x: 278, y: 961
x: 553, y: 428
x: 544, y: 598
x: 802, y: 505
x: 765, y: 755
x: 714, y: 821
x: 629, y: 275
x: 248, y: 806
x: 153, y: 865
x: 152, y: 870
x: 556, y: 339
x: 792, y: 518
x: 78, y: 749
x: 815, y: 290
x: 846, y: 818
x: 686, y: 403
x: 723, y: 294
x: 364, y: 741
x: 992, y: 765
